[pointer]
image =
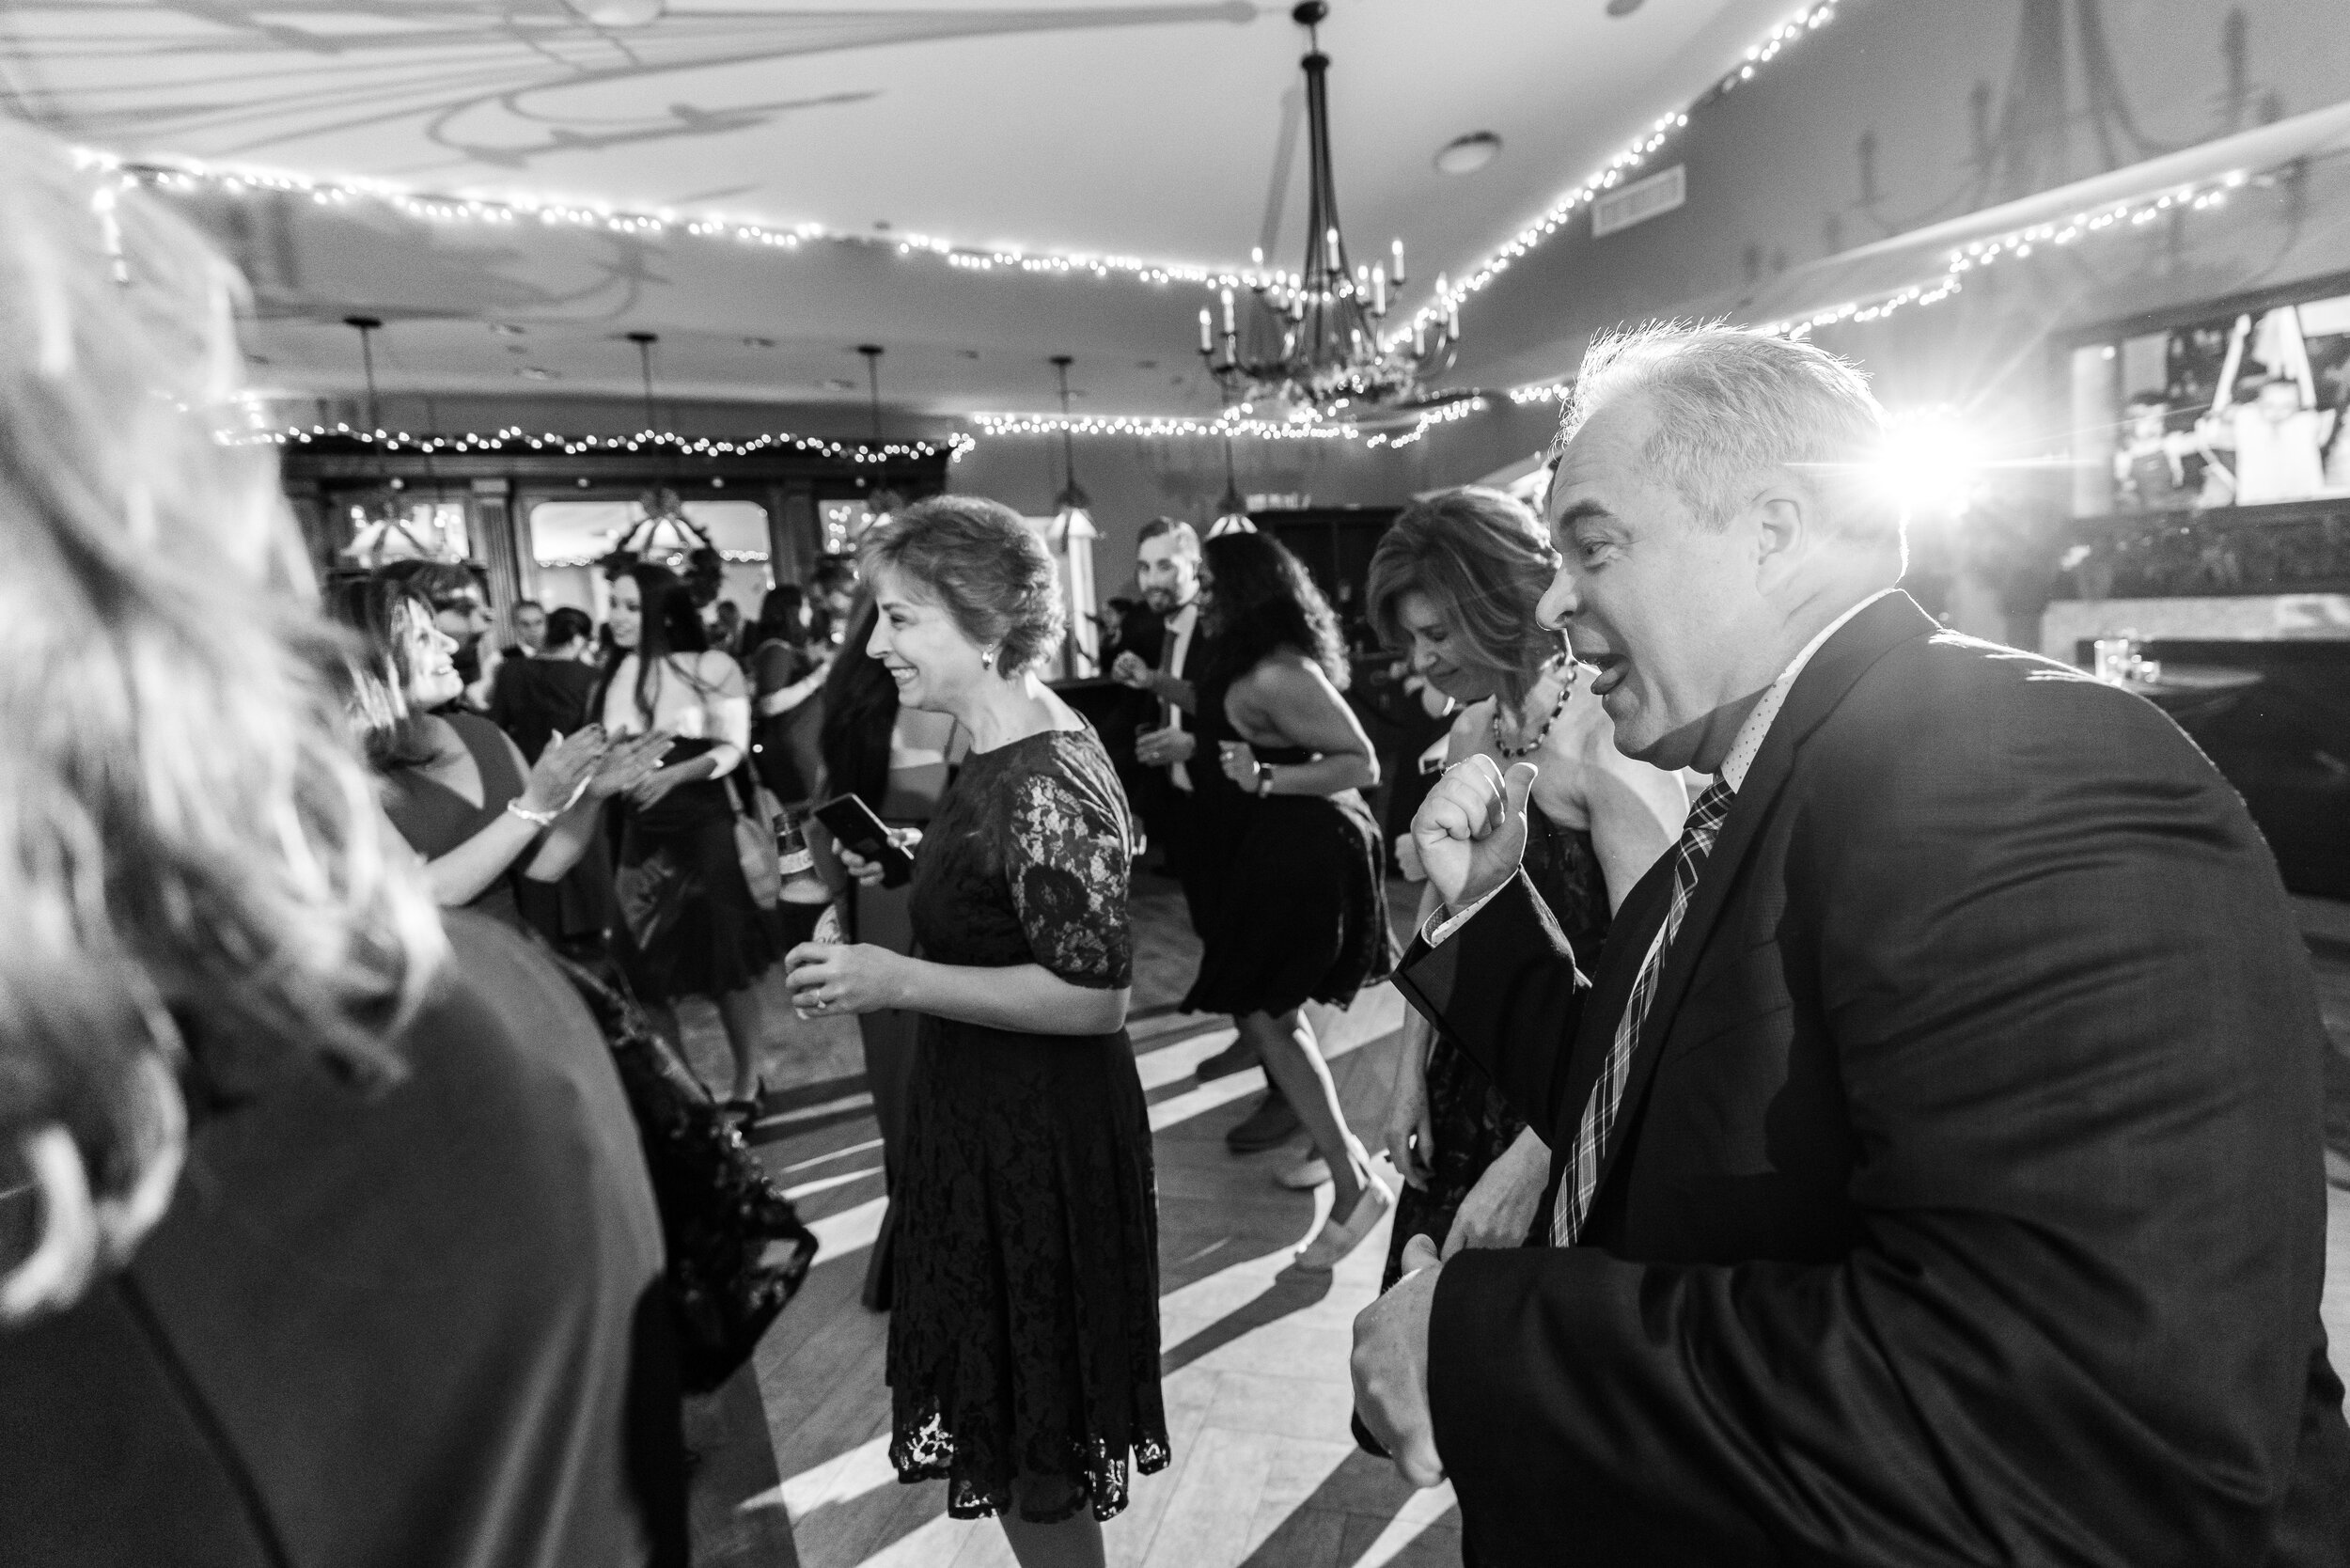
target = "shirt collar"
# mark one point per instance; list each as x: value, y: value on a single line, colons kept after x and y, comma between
x: 1182, y: 620
x: 1749, y: 740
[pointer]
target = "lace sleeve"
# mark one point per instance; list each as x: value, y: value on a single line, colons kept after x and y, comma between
x: 1066, y: 859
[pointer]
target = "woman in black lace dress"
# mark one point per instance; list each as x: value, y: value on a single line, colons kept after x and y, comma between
x: 1024, y: 1345
x: 1300, y: 914
x: 1454, y: 583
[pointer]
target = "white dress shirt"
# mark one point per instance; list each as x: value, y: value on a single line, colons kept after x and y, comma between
x: 1743, y: 748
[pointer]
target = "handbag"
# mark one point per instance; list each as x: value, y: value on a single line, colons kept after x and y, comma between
x: 720, y: 1211
x: 755, y: 844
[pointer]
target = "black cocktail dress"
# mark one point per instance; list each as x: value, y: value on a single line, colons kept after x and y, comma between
x: 1300, y: 913
x: 1023, y: 1346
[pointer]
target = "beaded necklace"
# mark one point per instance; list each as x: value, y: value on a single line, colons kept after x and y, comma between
x: 1511, y: 753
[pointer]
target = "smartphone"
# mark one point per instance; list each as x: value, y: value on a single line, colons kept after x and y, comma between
x: 848, y: 818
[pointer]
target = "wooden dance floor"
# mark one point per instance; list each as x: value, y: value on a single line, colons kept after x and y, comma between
x: 793, y: 1468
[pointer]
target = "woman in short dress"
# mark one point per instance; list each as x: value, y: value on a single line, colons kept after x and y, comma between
x: 687, y: 907
x: 1300, y: 914
x: 1454, y: 583
x: 1023, y: 1346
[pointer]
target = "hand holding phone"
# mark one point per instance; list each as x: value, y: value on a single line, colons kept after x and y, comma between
x: 852, y: 825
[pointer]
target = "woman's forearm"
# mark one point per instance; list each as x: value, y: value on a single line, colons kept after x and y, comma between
x: 566, y: 841
x: 465, y: 872
x: 784, y: 699
x: 1025, y: 996
x: 1324, y: 775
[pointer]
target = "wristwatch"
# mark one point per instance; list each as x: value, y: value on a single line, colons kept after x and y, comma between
x: 1264, y: 779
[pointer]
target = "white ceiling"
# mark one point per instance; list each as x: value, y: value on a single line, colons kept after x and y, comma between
x: 1148, y: 130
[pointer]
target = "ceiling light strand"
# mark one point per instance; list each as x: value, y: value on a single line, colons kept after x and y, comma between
x: 1451, y: 292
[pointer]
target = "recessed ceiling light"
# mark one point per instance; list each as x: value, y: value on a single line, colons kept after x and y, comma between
x: 1622, y: 7
x: 534, y: 372
x: 838, y: 385
x: 881, y: 223
x: 1469, y: 153
x: 618, y: 13
x: 507, y: 329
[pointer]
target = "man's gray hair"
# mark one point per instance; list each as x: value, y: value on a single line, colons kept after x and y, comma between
x: 1187, y: 538
x: 1732, y: 406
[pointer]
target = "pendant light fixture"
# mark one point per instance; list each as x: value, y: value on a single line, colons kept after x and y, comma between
x: 666, y: 537
x: 1072, y: 538
x: 384, y: 533
x: 1231, y: 512
x: 883, y: 503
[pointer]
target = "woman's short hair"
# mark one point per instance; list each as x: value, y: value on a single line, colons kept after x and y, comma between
x: 193, y: 852
x: 980, y: 563
x: 1482, y: 559
x: 1261, y: 598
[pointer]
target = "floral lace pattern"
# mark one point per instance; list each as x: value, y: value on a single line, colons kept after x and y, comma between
x: 1023, y: 1346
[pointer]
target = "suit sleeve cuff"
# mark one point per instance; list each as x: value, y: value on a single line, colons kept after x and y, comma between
x: 1444, y: 923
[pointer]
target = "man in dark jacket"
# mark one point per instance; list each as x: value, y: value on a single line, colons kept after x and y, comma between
x: 1938, y: 1154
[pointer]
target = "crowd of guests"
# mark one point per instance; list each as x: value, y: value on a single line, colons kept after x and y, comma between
x: 1906, y: 1151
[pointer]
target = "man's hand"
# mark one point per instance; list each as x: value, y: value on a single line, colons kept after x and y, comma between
x: 1499, y: 1209
x: 1129, y: 671
x: 1471, y: 829
x: 1157, y: 749
x: 1390, y: 1366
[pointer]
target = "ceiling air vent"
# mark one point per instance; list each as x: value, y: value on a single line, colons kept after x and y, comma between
x: 1639, y: 201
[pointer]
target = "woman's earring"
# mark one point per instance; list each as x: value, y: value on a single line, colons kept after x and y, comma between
x: 987, y: 659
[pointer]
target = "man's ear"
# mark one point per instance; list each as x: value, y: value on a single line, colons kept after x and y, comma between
x: 1781, y: 523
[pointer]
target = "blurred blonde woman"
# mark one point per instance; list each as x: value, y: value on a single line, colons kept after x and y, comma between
x: 326, y: 1238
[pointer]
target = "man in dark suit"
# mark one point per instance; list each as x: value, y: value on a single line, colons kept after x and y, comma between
x: 1938, y: 1171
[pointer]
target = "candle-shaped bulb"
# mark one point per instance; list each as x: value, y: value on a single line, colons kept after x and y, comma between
x: 1330, y: 244
x: 1256, y: 256
x: 1379, y: 291
x: 1207, y: 335
x: 1420, y: 334
x: 1228, y: 313
x: 1397, y: 249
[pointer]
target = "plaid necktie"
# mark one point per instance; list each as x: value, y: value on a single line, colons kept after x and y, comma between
x: 1581, y: 1183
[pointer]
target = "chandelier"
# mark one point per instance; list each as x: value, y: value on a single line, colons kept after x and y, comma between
x: 1311, y: 338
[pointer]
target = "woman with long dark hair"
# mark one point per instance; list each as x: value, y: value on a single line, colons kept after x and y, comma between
x: 1454, y: 583
x: 789, y: 663
x: 1299, y: 915
x: 688, y: 908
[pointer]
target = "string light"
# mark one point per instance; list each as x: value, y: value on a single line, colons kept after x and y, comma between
x: 1428, y: 421
x: 188, y: 176
x: 2128, y: 216
x: 1160, y: 427
x: 2017, y: 244
x: 513, y: 438
x: 1451, y: 292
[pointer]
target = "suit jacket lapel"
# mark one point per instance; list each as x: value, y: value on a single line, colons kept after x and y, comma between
x: 1839, y: 663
